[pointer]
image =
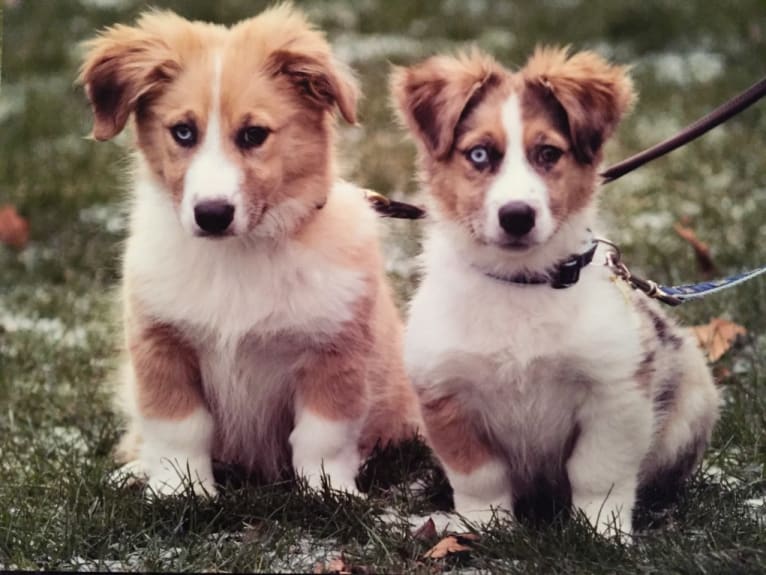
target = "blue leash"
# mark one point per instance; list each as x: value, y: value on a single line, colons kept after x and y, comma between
x: 673, y: 295
x: 687, y: 292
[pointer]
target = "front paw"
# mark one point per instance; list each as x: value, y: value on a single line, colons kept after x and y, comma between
x: 338, y: 477
x: 130, y: 474
x: 482, y: 516
x: 171, y: 479
x: 610, y: 518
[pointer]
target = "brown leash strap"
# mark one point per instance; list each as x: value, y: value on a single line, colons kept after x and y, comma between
x: 691, y: 132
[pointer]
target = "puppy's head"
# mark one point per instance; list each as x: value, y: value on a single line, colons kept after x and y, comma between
x: 510, y: 156
x: 234, y: 123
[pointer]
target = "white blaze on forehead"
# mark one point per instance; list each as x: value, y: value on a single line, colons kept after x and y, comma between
x: 516, y: 179
x: 212, y: 175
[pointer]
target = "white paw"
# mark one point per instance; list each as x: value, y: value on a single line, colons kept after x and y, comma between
x: 481, y: 510
x: 610, y: 519
x: 322, y: 446
x: 482, y: 516
x: 132, y: 473
x: 339, y: 477
x: 173, y: 479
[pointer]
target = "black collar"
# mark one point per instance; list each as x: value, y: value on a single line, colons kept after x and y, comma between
x: 564, y: 275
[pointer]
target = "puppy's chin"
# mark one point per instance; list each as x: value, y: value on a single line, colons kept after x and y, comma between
x: 516, y: 247
x: 283, y: 219
x: 213, y: 237
x: 513, y: 247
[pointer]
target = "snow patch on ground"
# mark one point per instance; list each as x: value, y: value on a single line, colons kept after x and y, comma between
x: 302, y: 556
x: 71, y: 437
x: 12, y: 102
x: 352, y: 47
x: 51, y: 329
x: 110, y: 217
x: 697, y: 66
x: 104, y: 3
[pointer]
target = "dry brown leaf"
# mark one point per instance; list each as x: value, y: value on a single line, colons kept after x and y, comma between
x: 701, y: 249
x: 14, y: 230
x: 450, y: 545
x: 426, y: 531
x: 721, y: 374
x: 717, y: 337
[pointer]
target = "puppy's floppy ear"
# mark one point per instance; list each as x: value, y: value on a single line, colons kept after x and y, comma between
x: 432, y: 96
x: 593, y: 93
x: 122, y: 65
x: 320, y: 79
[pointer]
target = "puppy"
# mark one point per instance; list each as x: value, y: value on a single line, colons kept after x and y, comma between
x: 534, y: 396
x: 258, y: 324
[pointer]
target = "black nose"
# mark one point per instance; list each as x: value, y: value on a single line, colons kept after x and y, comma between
x: 214, y: 216
x: 516, y: 218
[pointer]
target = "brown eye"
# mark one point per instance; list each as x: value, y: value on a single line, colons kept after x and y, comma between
x: 547, y: 156
x: 184, y: 134
x: 252, y: 137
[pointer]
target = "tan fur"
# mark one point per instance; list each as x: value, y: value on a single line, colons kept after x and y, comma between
x: 570, y: 183
x: 435, y: 94
x: 452, y: 433
x: 594, y: 93
x: 359, y: 371
x: 457, y: 187
x: 165, y: 368
x: 393, y: 413
x: 128, y: 64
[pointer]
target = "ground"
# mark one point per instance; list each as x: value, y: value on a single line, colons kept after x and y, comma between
x: 59, y: 341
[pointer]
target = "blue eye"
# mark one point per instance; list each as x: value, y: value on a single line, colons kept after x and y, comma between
x: 479, y: 156
x: 184, y: 134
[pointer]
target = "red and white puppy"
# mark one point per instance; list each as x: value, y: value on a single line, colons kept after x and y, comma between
x: 531, y: 395
x: 258, y: 322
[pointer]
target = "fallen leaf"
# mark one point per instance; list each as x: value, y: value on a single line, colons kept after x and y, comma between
x: 450, y: 545
x: 14, y: 230
x: 426, y: 531
x: 721, y: 374
x: 701, y: 249
x: 717, y: 337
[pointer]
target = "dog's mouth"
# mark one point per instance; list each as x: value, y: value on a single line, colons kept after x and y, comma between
x: 516, y: 245
x: 213, y: 236
x: 513, y: 245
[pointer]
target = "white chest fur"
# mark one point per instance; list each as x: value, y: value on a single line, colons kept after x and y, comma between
x: 231, y: 287
x: 459, y: 312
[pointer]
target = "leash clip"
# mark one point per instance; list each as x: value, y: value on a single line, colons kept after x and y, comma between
x: 647, y: 287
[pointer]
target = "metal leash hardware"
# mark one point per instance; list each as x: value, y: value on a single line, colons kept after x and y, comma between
x: 647, y: 287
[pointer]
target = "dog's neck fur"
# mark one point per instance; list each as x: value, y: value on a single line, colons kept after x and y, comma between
x: 497, y: 261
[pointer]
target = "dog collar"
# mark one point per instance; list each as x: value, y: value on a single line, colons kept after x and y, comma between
x: 565, y: 274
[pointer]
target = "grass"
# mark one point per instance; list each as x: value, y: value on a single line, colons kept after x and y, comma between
x: 58, y: 341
